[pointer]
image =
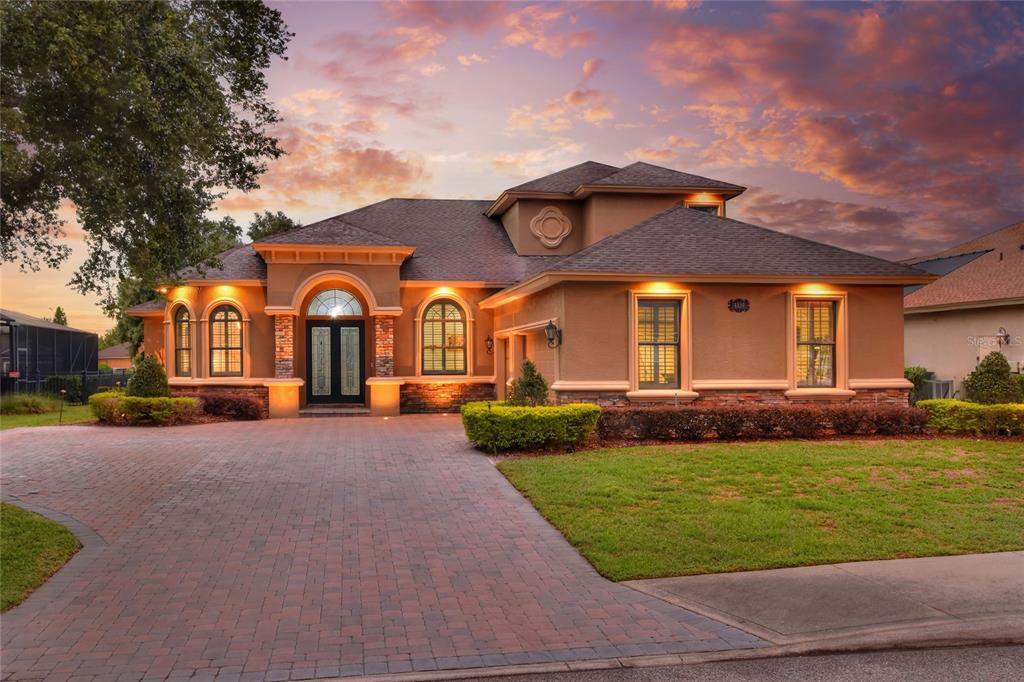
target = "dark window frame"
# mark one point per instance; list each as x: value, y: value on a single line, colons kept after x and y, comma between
x: 226, y: 308
x: 808, y: 380
x: 655, y: 304
x: 444, y: 322
x: 182, y: 316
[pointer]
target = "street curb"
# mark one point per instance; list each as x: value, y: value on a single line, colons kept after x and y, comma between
x: 659, y: 661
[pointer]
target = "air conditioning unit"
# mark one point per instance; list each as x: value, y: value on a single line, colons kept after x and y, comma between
x: 937, y: 388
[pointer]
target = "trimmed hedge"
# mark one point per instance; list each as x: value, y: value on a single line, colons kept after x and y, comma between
x: 958, y: 416
x: 497, y: 427
x: 733, y: 422
x: 116, y: 407
x: 234, y: 406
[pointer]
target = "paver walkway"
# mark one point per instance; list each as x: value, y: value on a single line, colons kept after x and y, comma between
x: 308, y: 548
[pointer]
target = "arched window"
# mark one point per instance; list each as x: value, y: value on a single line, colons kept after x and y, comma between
x: 444, y: 339
x: 225, y: 342
x: 335, y: 303
x: 182, y: 342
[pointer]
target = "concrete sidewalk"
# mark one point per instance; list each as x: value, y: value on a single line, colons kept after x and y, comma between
x: 969, y: 599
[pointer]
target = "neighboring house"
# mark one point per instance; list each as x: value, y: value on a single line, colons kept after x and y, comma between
x: 32, y: 348
x: 117, y: 357
x: 976, y: 307
x: 621, y: 284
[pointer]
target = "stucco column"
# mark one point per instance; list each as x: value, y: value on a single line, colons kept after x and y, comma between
x: 284, y: 346
x: 384, y: 346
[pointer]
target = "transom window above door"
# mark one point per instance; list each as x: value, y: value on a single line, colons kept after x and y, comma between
x: 335, y: 303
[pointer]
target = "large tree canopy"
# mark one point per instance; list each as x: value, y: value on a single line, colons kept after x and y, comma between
x: 139, y: 114
x: 268, y: 223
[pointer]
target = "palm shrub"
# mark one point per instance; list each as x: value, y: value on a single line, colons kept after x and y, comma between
x: 916, y: 376
x: 149, y: 379
x: 530, y: 389
x: 991, y: 382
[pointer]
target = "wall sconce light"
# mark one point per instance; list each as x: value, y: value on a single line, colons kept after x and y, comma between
x: 489, y: 342
x: 1003, y: 336
x: 553, y: 333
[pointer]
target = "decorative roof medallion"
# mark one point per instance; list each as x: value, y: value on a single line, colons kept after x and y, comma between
x: 550, y: 226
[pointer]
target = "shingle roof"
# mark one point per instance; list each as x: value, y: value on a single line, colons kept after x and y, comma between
x: 567, y: 179
x: 147, y: 307
x: 31, y: 321
x: 648, y: 175
x: 330, y: 231
x: 681, y: 241
x: 454, y: 240
x: 121, y: 350
x: 993, y: 276
x: 240, y: 262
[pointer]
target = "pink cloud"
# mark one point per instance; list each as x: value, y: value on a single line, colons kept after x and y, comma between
x: 532, y: 26
x: 905, y: 103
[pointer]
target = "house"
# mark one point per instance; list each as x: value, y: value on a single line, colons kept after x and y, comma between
x: 117, y: 357
x: 32, y: 348
x: 974, y: 308
x: 621, y: 284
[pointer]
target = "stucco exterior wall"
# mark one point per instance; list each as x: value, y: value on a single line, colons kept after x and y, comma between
x: 726, y: 346
x: 606, y: 214
x: 951, y: 343
x: 517, y: 223
x: 407, y: 330
x: 285, y: 279
x: 876, y: 332
x: 259, y: 358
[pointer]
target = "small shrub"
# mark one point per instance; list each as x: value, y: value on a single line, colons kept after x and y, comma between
x: 733, y: 422
x: 149, y: 379
x: 71, y: 385
x: 991, y: 382
x: 498, y: 427
x: 234, y: 406
x: 531, y: 389
x: 916, y: 376
x: 114, y: 407
x: 23, y: 403
x: 958, y: 416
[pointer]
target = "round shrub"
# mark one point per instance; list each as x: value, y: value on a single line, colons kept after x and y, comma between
x: 991, y: 382
x: 498, y: 427
x: 149, y: 379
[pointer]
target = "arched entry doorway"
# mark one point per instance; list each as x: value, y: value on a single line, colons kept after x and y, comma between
x: 335, y: 343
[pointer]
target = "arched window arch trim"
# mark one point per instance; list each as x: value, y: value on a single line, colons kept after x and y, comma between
x: 183, y: 347
x: 227, y: 356
x: 466, y: 320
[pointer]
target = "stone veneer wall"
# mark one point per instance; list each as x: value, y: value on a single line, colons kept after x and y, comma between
x: 284, y: 346
x: 442, y: 397
x: 384, y: 346
x: 869, y: 396
x: 261, y: 393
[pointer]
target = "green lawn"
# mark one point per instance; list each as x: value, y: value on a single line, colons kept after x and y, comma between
x: 73, y: 414
x: 32, y: 548
x: 648, y: 512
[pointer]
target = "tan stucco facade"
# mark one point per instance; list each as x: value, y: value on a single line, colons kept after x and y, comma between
x: 951, y: 343
x: 594, y: 355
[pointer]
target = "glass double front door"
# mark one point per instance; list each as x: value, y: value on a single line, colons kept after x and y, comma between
x: 334, y: 361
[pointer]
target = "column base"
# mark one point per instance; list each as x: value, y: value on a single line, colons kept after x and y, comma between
x: 283, y: 397
x: 385, y: 394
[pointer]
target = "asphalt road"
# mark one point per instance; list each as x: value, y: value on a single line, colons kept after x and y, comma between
x: 991, y: 664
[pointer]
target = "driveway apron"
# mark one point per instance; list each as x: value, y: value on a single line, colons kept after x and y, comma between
x: 294, y: 549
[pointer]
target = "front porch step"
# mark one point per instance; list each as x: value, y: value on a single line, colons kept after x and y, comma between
x: 334, y: 411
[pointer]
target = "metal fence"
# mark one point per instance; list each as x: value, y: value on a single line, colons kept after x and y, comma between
x: 77, y: 386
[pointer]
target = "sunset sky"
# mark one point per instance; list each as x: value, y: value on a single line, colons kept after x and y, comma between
x: 889, y: 129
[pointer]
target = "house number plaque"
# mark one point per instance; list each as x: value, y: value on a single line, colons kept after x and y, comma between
x: 739, y: 305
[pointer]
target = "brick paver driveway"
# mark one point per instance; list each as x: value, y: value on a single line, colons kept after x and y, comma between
x: 311, y: 548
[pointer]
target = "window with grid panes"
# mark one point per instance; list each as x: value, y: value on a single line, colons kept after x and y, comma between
x: 658, y: 343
